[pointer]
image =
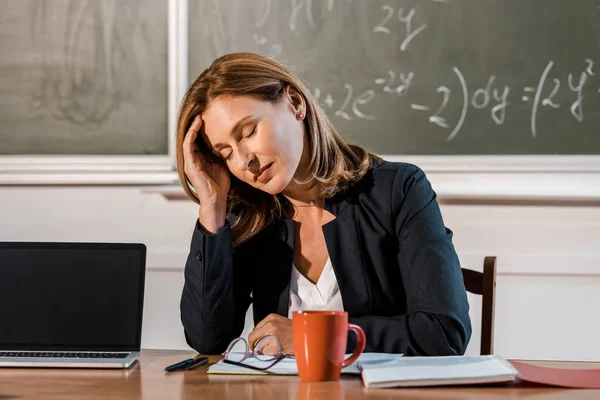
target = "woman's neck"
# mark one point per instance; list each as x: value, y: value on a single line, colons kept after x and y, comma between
x: 299, y: 196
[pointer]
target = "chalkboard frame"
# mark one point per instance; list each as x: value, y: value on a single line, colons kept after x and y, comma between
x: 533, y: 179
x: 503, y: 163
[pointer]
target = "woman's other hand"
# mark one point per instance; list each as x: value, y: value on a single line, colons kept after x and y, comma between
x: 275, y: 325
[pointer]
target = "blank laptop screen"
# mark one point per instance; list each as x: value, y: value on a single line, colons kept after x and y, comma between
x: 71, y: 296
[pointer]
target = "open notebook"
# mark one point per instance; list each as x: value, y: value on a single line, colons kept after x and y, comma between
x: 288, y: 366
x: 436, y: 371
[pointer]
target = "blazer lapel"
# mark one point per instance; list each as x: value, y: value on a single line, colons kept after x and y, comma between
x: 271, y: 292
x: 285, y: 268
x: 343, y: 244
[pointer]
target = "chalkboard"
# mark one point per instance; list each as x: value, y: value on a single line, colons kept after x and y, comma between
x: 426, y: 77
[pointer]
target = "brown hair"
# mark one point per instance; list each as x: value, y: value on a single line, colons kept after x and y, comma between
x: 334, y: 164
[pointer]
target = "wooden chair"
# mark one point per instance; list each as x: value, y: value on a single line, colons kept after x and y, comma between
x: 485, y: 285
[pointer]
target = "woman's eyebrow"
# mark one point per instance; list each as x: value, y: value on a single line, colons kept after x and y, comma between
x: 236, y: 131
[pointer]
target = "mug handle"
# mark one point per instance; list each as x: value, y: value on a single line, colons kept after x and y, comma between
x: 361, y: 340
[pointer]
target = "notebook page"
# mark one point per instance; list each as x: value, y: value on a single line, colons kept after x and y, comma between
x: 287, y: 366
x: 439, y: 369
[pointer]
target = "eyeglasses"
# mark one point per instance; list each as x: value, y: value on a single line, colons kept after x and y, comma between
x: 239, y: 351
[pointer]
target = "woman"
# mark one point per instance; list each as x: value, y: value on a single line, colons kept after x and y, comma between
x: 287, y: 204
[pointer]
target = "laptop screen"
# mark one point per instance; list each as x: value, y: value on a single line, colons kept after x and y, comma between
x: 71, y: 296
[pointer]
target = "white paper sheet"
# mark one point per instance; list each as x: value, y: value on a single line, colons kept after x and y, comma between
x: 288, y: 366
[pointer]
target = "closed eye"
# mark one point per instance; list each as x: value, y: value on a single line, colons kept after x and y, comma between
x: 252, y: 132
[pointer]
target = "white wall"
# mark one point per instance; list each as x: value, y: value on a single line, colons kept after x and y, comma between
x: 548, y: 285
x: 548, y: 289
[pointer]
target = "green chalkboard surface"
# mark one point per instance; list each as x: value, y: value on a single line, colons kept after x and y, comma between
x: 425, y: 77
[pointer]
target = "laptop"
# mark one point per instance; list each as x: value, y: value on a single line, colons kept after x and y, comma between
x: 76, y: 305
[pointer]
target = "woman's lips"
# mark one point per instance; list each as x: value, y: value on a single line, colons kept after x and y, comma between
x: 262, y: 175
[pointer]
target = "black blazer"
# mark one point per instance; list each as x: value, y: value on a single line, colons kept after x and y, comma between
x: 397, y: 270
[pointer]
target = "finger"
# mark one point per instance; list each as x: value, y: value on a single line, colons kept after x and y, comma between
x: 193, y: 130
x: 190, y: 137
x: 253, y: 338
x: 268, y: 345
x: 189, y: 141
x: 258, y: 333
x: 268, y: 318
x: 271, y: 349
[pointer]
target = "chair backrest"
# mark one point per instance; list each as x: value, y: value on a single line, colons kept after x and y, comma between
x: 485, y: 285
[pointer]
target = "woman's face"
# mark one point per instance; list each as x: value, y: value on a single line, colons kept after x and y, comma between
x: 261, y: 142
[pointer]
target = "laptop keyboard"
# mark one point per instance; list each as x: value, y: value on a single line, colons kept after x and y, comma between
x: 52, y: 354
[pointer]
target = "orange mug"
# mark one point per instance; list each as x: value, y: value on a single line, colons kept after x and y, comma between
x: 320, y: 339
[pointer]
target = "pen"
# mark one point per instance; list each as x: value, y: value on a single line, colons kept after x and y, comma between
x: 180, y: 365
x: 197, y: 363
x: 190, y: 363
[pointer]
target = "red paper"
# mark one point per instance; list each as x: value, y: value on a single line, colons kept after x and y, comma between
x: 571, y: 378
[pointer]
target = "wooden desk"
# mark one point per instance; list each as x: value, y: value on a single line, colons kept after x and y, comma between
x: 146, y: 379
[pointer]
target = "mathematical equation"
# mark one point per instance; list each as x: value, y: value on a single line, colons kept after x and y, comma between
x: 495, y: 97
x: 407, y: 25
x: 305, y: 8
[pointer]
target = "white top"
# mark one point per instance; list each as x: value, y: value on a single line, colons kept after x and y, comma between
x: 325, y: 295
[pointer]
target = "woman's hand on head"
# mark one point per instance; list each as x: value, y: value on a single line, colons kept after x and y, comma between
x: 210, y: 180
x: 275, y: 325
